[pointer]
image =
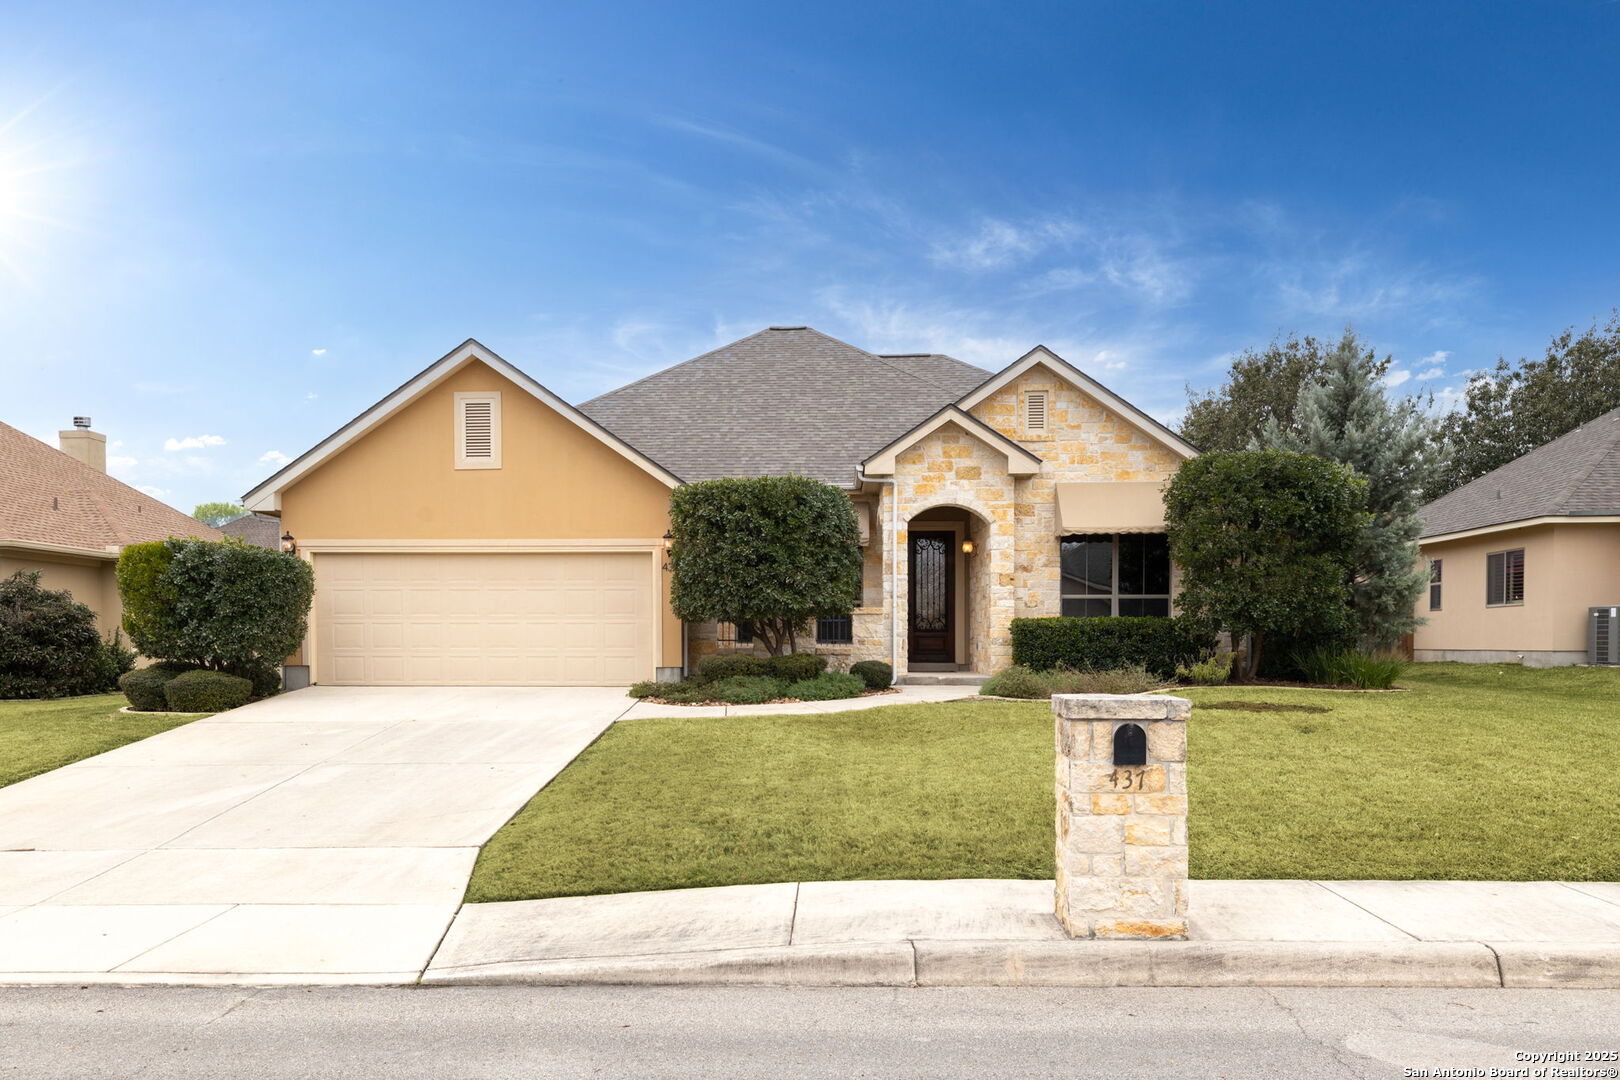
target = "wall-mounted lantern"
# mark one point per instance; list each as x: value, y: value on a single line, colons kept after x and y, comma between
x: 967, y: 547
x: 288, y: 544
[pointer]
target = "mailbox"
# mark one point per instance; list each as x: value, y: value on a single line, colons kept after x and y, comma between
x: 1130, y: 745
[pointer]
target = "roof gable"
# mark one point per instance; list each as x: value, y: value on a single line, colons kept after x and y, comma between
x: 1575, y: 475
x: 267, y: 496
x: 1041, y: 356
x: 1020, y: 462
x: 50, y: 499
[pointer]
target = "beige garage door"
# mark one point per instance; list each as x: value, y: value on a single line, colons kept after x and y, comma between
x: 484, y: 620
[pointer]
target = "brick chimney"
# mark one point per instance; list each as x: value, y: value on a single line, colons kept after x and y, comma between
x: 84, y: 445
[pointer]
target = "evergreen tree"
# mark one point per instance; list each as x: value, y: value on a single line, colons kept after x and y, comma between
x: 1346, y: 416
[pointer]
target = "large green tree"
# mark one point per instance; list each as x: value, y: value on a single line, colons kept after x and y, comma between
x: 770, y: 551
x: 1265, y: 540
x: 217, y: 513
x: 1346, y: 416
x: 1518, y: 407
x: 1262, y: 387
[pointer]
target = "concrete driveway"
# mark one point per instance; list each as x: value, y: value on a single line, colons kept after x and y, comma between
x: 324, y: 833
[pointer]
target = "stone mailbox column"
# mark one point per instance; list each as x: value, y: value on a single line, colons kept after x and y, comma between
x: 1122, y: 815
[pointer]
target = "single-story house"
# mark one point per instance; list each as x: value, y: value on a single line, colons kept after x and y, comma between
x: 61, y: 513
x: 472, y: 527
x: 1519, y: 557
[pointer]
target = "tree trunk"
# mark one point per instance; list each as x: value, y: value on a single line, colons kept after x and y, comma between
x: 793, y: 638
x: 1251, y: 663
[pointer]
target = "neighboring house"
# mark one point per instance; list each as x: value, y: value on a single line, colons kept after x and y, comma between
x: 472, y: 527
x: 1518, y: 557
x: 260, y: 530
x: 61, y: 513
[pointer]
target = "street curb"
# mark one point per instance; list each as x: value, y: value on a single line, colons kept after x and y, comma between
x: 885, y: 964
x: 1444, y: 964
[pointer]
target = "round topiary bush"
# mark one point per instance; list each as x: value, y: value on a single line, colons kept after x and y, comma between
x: 144, y: 686
x: 206, y: 691
x: 875, y: 673
x: 795, y: 667
x: 747, y: 690
x: 829, y: 687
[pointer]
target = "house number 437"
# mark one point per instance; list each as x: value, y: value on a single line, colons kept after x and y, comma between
x: 1127, y: 779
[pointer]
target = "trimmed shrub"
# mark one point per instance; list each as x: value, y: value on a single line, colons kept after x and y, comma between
x: 745, y: 690
x: 220, y: 604
x: 1131, y: 679
x: 875, y: 673
x: 649, y: 688
x: 829, y: 687
x: 49, y: 644
x: 1102, y: 644
x: 1214, y: 671
x: 729, y: 665
x: 206, y: 691
x: 1016, y: 682
x: 144, y: 686
x: 795, y: 667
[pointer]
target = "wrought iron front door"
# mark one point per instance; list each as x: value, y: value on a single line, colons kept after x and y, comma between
x: 933, y: 599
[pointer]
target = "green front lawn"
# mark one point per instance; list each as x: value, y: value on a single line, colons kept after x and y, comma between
x: 38, y: 736
x: 1478, y: 772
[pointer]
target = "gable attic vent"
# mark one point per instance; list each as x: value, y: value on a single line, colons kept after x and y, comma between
x: 478, y: 430
x: 1035, y: 410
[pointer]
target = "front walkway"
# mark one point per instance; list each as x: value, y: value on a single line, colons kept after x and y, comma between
x: 322, y: 834
x: 903, y: 695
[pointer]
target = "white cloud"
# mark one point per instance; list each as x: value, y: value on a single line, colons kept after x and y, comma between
x: 1397, y: 377
x: 997, y: 244
x: 1434, y: 365
x: 1108, y: 361
x: 193, y: 442
x: 274, y: 457
x: 155, y: 492
x: 317, y: 352
x: 311, y: 396
x: 121, y: 462
x: 1432, y: 373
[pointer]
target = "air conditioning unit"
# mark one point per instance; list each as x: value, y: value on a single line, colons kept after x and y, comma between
x: 1603, y: 635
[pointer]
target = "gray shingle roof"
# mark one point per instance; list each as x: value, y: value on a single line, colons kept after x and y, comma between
x: 1575, y: 474
x: 261, y: 530
x: 784, y: 400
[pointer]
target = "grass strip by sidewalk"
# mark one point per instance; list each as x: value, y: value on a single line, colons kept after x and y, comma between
x: 1480, y: 772
x: 38, y: 736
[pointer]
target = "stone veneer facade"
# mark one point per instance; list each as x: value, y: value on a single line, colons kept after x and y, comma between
x: 1015, y: 570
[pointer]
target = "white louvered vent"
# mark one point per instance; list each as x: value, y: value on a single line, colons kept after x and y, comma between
x: 1035, y: 411
x: 478, y: 430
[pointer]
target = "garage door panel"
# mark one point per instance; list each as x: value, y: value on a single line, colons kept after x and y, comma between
x: 484, y: 619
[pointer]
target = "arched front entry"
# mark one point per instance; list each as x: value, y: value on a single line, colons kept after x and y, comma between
x: 946, y: 578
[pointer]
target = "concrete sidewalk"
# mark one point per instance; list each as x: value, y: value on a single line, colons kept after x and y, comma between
x: 1003, y: 933
x: 903, y: 695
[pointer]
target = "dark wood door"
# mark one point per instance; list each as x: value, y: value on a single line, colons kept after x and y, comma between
x: 933, y: 598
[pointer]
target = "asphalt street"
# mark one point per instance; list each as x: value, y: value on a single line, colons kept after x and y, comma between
x: 493, y: 1033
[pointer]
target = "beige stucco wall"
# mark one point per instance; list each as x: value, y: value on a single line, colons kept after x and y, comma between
x: 557, y: 482
x: 1567, y: 569
x: 93, y: 583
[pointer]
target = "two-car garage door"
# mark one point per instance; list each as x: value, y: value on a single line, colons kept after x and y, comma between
x: 494, y: 619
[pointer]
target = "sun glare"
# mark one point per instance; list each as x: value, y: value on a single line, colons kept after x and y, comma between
x: 34, y: 163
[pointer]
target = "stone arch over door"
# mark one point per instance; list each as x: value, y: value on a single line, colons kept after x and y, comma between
x: 981, y: 580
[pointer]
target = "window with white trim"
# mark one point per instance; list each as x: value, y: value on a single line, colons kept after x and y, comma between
x: 1036, y: 407
x: 1504, y: 578
x: 1435, y: 574
x: 1107, y: 574
x: 478, y: 430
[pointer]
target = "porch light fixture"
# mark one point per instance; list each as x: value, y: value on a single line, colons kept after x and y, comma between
x: 288, y: 544
x: 669, y: 541
x: 967, y: 547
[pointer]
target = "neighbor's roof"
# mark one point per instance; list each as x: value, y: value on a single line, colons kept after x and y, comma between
x: 47, y: 497
x: 261, y: 530
x: 1575, y: 475
x: 785, y: 400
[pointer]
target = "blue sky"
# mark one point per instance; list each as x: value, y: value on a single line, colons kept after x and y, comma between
x: 225, y: 230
